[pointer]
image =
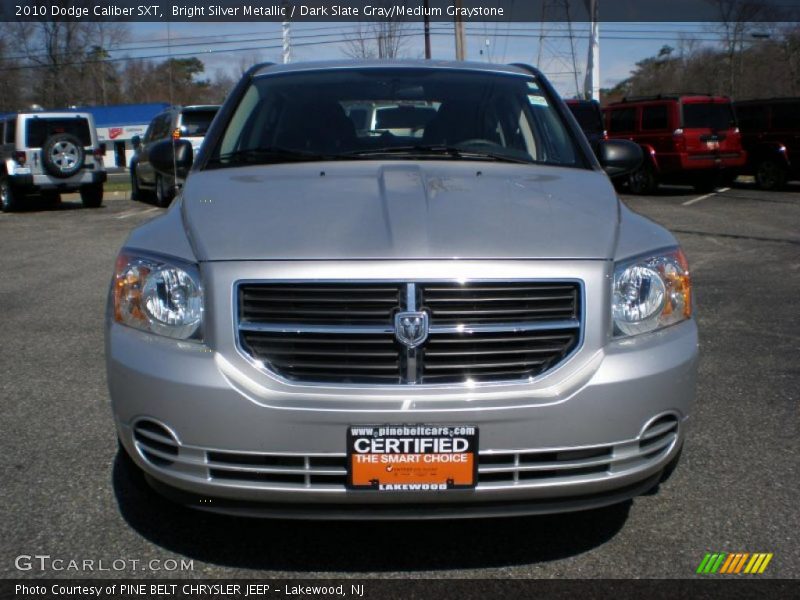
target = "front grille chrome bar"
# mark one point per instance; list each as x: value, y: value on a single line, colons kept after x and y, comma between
x: 371, y: 329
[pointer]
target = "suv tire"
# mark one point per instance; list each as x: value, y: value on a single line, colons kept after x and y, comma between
x: 9, y: 197
x: 92, y: 195
x: 164, y: 194
x: 63, y: 155
x: 770, y: 175
x: 136, y: 192
x: 643, y: 181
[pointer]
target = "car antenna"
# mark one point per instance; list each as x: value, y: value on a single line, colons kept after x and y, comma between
x: 171, y: 103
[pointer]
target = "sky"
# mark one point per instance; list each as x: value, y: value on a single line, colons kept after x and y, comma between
x: 230, y: 47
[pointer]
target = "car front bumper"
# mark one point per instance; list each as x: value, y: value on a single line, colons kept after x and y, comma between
x: 603, y: 434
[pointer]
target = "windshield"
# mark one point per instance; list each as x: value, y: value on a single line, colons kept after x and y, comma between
x: 706, y: 115
x: 588, y: 116
x: 196, y: 122
x: 39, y: 129
x: 395, y: 113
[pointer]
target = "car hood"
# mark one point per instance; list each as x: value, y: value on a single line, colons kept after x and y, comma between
x: 400, y: 210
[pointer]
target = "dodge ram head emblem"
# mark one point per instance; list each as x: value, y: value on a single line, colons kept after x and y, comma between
x: 411, y: 328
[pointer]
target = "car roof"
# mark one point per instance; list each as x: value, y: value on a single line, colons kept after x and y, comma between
x: 270, y: 69
x: 767, y: 101
x: 669, y: 97
x: 200, y: 107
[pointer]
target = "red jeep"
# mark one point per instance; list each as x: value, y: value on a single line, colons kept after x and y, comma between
x: 686, y: 140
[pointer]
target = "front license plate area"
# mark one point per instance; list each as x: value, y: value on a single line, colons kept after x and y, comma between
x: 415, y: 458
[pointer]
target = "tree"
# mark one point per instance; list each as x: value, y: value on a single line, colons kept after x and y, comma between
x: 66, y: 62
x: 767, y: 67
x: 377, y: 39
x: 736, y: 17
x: 11, y: 92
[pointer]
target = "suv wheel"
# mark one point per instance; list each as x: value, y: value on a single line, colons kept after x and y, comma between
x: 136, y: 192
x: 63, y: 155
x: 164, y: 194
x: 643, y: 180
x: 770, y: 175
x: 92, y: 195
x: 9, y: 198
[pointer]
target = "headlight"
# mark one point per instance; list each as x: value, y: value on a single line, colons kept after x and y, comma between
x: 161, y: 296
x: 651, y: 292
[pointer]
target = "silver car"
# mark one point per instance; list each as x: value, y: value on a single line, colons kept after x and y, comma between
x: 462, y: 322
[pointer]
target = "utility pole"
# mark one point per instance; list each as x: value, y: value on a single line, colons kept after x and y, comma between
x: 461, y: 45
x: 591, y: 83
x: 427, y: 25
x: 556, y: 56
x: 286, y: 33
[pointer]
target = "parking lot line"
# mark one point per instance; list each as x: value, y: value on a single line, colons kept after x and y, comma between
x: 130, y: 213
x: 703, y: 197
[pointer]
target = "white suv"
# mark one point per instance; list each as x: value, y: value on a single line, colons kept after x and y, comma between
x: 48, y: 153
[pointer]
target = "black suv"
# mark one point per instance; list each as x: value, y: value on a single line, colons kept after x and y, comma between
x: 185, y: 122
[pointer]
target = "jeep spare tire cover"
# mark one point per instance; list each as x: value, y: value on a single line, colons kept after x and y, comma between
x: 62, y: 155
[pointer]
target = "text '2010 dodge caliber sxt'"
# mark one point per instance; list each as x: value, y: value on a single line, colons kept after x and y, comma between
x: 400, y: 289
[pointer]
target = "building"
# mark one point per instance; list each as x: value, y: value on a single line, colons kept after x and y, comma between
x: 117, y: 124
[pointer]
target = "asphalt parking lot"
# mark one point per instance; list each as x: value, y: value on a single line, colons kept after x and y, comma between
x: 64, y: 494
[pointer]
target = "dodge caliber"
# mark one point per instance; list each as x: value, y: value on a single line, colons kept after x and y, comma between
x: 450, y: 316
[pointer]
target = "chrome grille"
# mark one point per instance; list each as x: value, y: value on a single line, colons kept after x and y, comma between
x: 486, y: 302
x: 493, y: 356
x: 319, y: 303
x: 344, y: 332
x: 327, y: 357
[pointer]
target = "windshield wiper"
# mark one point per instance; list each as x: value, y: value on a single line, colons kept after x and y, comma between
x: 272, y: 154
x: 439, y: 150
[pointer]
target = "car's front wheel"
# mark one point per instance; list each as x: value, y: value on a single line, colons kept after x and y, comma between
x: 92, y: 196
x: 164, y: 193
x: 770, y: 175
x: 136, y: 192
x: 643, y: 180
x: 9, y: 197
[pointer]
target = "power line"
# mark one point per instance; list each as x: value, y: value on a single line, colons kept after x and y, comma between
x: 623, y: 33
x: 317, y: 41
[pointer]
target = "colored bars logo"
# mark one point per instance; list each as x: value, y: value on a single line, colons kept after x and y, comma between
x: 734, y: 563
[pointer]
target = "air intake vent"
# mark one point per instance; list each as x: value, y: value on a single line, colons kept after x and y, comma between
x: 658, y: 436
x: 155, y: 442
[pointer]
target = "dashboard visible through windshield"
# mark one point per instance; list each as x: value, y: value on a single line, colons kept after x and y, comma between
x: 395, y: 113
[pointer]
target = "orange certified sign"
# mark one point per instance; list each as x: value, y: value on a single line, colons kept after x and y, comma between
x: 412, y: 457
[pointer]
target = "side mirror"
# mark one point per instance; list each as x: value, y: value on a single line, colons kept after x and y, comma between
x: 619, y: 157
x: 102, y: 148
x: 136, y: 142
x: 172, y: 156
